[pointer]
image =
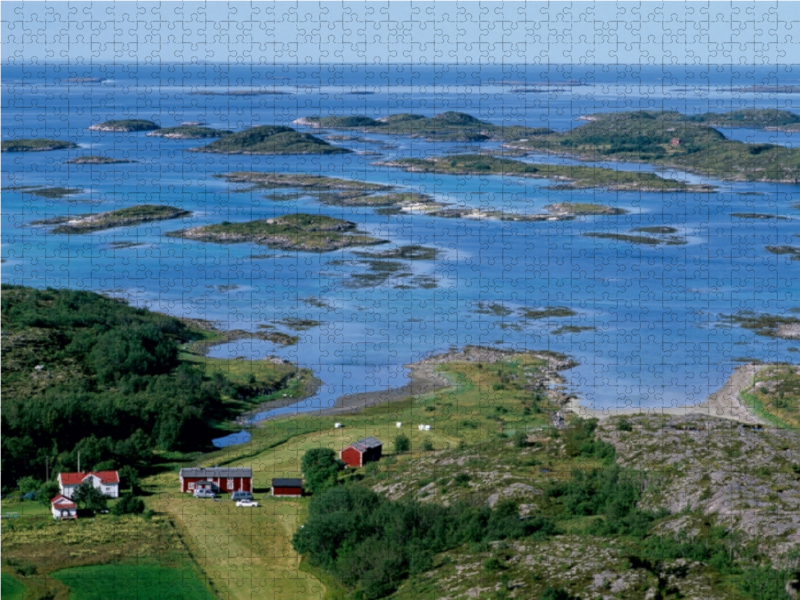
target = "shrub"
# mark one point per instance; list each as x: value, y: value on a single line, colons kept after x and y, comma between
x: 493, y: 564
x: 427, y: 445
x: 128, y: 504
x: 402, y: 444
x: 520, y: 439
x: 624, y: 425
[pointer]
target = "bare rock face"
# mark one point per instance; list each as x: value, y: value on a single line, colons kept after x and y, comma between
x: 742, y: 474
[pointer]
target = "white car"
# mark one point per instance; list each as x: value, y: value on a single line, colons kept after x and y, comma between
x: 247, y: 503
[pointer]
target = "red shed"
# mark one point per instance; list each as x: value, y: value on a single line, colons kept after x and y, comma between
x: 225, y: 479
x: 287, y: 487
x: 361, y: 452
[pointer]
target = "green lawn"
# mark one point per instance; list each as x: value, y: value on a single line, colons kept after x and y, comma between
x: 132, y: 582
x: 12, y: 588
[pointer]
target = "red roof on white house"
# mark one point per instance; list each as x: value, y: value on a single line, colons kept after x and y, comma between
x: 78, y: 478
x: 62, y: 502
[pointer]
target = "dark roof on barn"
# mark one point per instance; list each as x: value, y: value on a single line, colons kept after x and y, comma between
x: 287, y: 483
x: 218, y: 472
x: 367, y: 443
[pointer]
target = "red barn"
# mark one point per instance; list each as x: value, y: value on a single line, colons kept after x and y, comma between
x: 224, y: 479
x: 287, y: 487
x: 361, y: 452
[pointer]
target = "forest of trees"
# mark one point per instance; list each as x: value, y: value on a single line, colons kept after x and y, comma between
x: 89, y: 374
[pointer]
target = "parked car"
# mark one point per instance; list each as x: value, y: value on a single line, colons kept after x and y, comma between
x: 205, y: 494
x: 247, y: 503
x: 241, y: 496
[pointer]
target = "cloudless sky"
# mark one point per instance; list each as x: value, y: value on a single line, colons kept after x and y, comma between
x: 381, y: 32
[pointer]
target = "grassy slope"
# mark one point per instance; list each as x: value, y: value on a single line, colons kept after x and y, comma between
x: 133, y: 582
x: 12, y: 588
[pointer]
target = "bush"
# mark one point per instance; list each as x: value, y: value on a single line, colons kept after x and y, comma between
x: 493, y: 564
x: 320, y: 468
x: 427, y: 445
x: 90, y: 497
x: 128, y: 504
x: 520, y: 439
x: 557, y: 594
x: 624, y: 425
x: 402, y: 444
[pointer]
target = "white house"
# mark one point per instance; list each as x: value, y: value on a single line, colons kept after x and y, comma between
x: 63, y: 508
x: 105, y: 481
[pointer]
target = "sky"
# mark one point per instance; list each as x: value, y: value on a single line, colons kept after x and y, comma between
x: 757, y: 33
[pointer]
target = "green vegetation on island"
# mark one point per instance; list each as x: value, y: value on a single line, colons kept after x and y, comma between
x: 93, y: 159
x: 792, y: 252
x: 125, y: 125
x: 315, y: 183
x: 300, y: 231
x: 570, y: 176
x: 775, y: 396
x: 51, y: 193
x: 445, y: 127
x: 35, y: 145
x: 670, y: 139
x: 133, y: 215
x: 758, y: 118
x: 271, y: 139
x: 189, y: 132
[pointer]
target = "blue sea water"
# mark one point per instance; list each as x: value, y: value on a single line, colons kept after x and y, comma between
x: 658, y: 339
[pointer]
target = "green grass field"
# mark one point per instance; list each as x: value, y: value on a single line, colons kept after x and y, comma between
x: 132, y: 582
x: 12, y: 588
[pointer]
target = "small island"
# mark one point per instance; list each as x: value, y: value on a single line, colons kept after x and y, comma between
x: 119, y: 218
x: 35, y: 145
x: 94, y: 159
x: 449, y: 126
x: 189, y: 132
x: 52, y: 193
x: 262, y: 180
x: 271, y: 139
x: 583, y: 209
x: 299, y: 232
x: 125, y: 125
x: 633, y: 238
x: 570, y: 176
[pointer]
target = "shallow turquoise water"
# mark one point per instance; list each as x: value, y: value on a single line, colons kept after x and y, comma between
x: 657, y: 342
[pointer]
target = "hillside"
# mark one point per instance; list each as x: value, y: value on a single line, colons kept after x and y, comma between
x: 82, y: 372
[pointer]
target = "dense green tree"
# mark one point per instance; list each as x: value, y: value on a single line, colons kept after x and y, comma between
x: 88, y: 496
x: 320, y: 468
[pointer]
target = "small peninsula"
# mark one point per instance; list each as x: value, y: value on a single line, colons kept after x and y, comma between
x: 271, y: 139
x: 300, y: 232
x: 125, y: 125
x: 35, y: 145
x: 189, y: 132
x: 119, y: 218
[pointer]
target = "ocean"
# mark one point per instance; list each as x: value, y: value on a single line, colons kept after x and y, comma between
x: 650, y: 329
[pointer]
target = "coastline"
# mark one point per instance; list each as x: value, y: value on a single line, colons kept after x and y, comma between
x: 724, y: 403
